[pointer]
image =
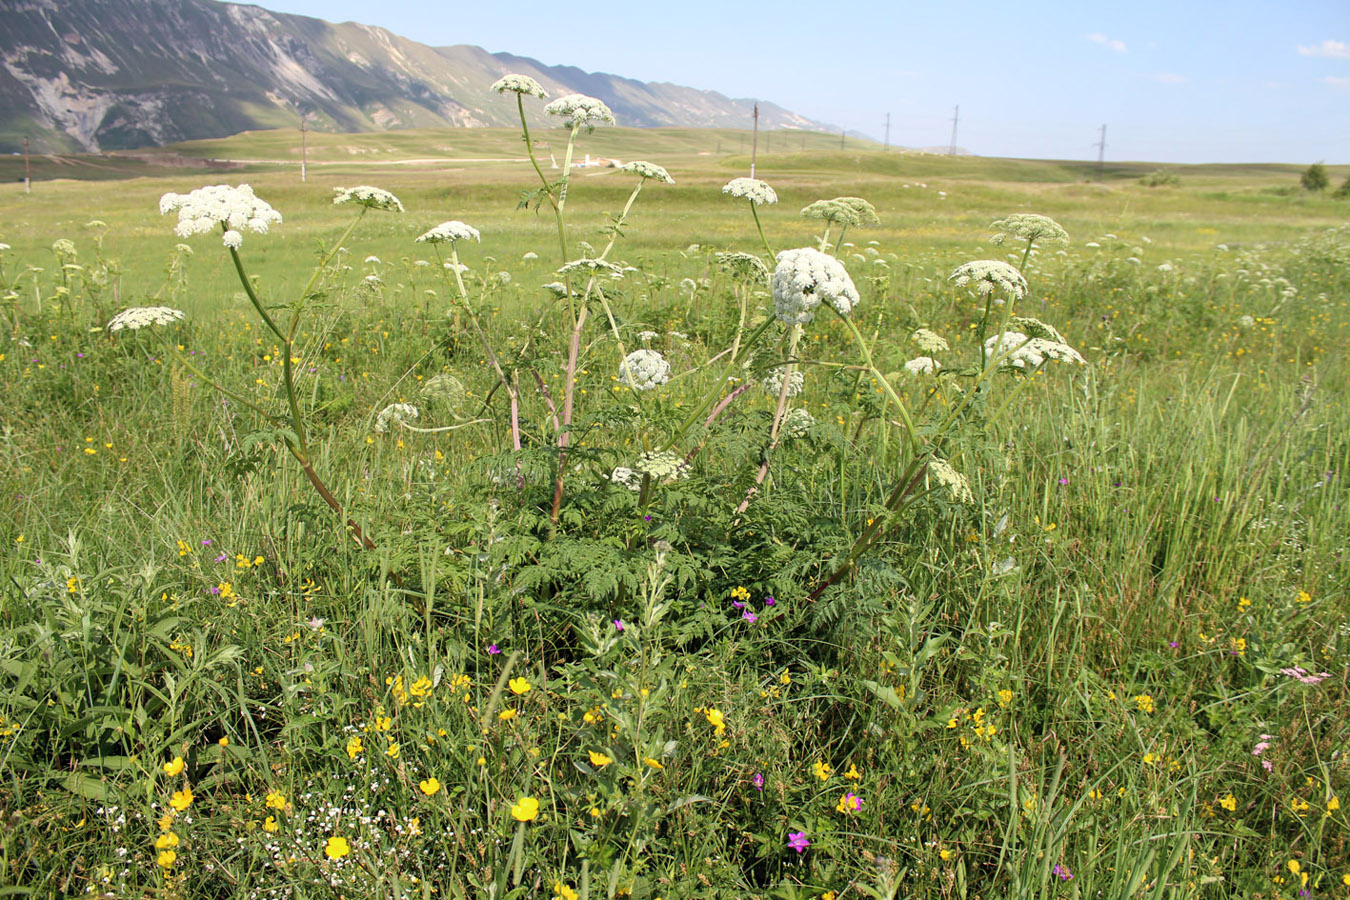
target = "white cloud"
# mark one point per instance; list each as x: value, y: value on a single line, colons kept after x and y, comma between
x: 1338, y: 82
x: 1118, y: 46
x: 1170, y: 78
x: 1328, y: 49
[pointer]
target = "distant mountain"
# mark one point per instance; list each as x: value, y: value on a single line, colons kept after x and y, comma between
x: 115, y: 74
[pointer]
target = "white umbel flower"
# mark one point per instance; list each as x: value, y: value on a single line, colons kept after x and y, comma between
x: 589, y: 266
x: 743, y: 265
x: 803, y: 278
x: 578, y: 109
x: 395, y: 414
x: 647, y: 171
x: 984, y: 276
x: 644, y: 369
x: 208, y: 208
x: 797, y: 423
x: 1029, y: 352
x: 519, y: 84
x: 443, y: 388
x: 773, y: 382
x: 626, y: 477
x: 661, y: 465
x: 140, y: 316
x: 1031, y: 227
x: 757, y: 192
x: 449, y: 232
x: 367, y: 196
x: 232, y: 239
x: 922, y: 365
x: 929, y: 341
x: 954, y: 481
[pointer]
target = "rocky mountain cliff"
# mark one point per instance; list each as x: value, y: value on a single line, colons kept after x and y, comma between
x: 115, y: 74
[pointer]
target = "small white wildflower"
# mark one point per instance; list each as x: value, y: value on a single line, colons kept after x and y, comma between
x: 1031, y: 227
x: 803, y: 278
x: 449, y: 232
x: 954, y: 481
x: 984, y: 276
x: 922, y: 365
x: 208, y: 208
x: 449, y: 266
x: 1246, y: 322
x: 626, y: 477
x: 530, y: 255
x: 929, y: 341
x: 3, y: 247
x: 503, y: 278
x: 662, y: 465
x: 831, y: 211
x: 373, y: 259
x: 232, y: 239
x: 1165, y: 267
x: 757, y: 192
x: 578, y: 109
x: 644, y: 369
x: 519, y: 84
x: 773, y: 382
x: 140, y: 316
x: 367, y: 196
x: 647, y: 171
x: 1093, y: 244
x: 646, y: 336
x: 556, y: 288
x: 395, y: 413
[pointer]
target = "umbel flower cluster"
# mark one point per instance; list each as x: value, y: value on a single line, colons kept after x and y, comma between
x: 207, y: 208
x: 644, y: 369
x: 367, y: 196
x: 520, y: 84
x: 578, y: 109
x: 773, y: 382
x: 449, y: 232
x: 803, y: 278
x: 984, y: 276
x: 1028, y: 352
x: 757, y: 192
x: 1031, y: 227
x: 395, y: 414
x: 647, y: 171
x: 138, y: 317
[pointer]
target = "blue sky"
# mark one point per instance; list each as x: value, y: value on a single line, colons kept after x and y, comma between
x: 1179, y: 81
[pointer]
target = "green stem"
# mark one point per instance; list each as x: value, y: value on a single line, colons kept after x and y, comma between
x: 754, y: 210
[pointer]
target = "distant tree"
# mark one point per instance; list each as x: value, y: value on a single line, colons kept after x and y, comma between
x: 1314, y: 178
x: 1343, y: 192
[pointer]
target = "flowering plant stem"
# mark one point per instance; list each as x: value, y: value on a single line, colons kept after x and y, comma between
x: 296, y: 443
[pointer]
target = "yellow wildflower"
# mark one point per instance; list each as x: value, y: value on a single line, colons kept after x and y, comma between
x: 166, y: 859
x: 821, y: 770
x: 181, y: 800
x: 430, y: 786
x: 525, y: 810
x: 354, y: 746
x: 336, y: 848
x: 599, y: 759
x: 519, y: 685
x: 175, y: 767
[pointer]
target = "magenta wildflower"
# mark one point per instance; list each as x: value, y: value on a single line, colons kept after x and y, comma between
x: 749, y: 617
x: 1062, y: 872
x: 769, y: 601
x: 618, y: 624
x: 797, y: 841
x: 493, y: 649
x: 758, y: 781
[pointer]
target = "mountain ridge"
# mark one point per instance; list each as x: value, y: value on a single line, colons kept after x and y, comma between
x: 92, y: 75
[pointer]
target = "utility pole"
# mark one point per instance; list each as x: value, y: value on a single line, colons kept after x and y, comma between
x: 27, y: 169
x: 304, y: 149
x: 843, y: 135
x: 1101, y: 154
x: 956, y: 117
x: 888, y: 131
x: 754, y: 143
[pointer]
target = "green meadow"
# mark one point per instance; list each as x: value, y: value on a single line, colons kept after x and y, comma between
x: 384, y: 571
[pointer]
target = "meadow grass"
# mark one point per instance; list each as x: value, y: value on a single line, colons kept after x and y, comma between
x: 1081, y: 682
